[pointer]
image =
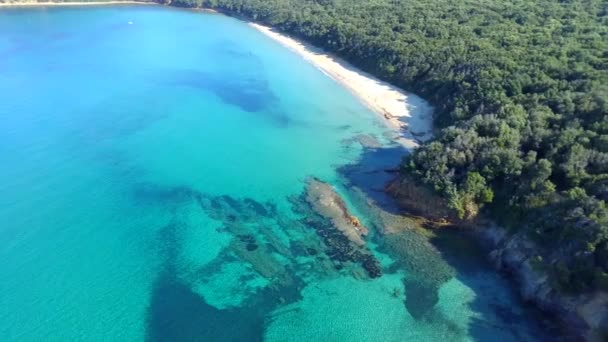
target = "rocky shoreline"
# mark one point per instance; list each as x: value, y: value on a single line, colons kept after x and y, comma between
x: 582, y: 317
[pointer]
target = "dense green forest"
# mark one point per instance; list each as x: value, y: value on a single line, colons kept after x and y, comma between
x: 520, y: 89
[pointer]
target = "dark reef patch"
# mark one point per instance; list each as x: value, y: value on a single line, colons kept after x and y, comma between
x: 421, y: 297
x: 251, y: 94
x: 256, y: 227
x: 257, y: 207
x: 427, y: 270
x: 251, y: 247
x: 178, y: 314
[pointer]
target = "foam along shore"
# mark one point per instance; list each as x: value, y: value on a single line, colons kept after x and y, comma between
x: 407, y: 114
x: 72, y: 3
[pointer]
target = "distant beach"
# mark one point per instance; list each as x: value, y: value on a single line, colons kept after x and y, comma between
x: 72, y: 3
x: 407, y: 114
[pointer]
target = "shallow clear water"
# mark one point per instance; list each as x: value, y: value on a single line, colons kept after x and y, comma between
x: 152, y: 163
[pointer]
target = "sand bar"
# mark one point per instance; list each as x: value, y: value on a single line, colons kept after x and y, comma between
x: 405, y: 113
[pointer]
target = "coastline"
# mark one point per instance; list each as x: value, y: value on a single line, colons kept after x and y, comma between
x: 404, y: 113
x: 583, y: 316
x: 73, y: 3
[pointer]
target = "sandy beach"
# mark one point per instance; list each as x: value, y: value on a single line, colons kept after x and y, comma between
x: 409, y: 116
x: 405, y: 113
x: 72, y: 3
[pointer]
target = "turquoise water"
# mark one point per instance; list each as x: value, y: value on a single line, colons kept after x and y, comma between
x: 152, y: 166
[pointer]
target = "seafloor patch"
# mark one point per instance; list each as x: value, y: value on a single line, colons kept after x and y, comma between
x: 272, y: 256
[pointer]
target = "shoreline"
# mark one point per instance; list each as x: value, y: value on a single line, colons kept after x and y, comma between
x: 406, y: 114
x: 73, y: 3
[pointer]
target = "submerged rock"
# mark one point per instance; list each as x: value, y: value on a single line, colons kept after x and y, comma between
x: 341, y: 232
x: 327, y: 203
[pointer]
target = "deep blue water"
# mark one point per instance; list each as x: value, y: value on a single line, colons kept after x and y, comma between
x: 152, y: 165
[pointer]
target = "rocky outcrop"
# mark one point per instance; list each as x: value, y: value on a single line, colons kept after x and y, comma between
x: 327, y: 203
x: 584, y: 317
x: 341, y: 232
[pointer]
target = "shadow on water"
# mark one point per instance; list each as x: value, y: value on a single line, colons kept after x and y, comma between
x: 496, y: 300
x: 374, y: 169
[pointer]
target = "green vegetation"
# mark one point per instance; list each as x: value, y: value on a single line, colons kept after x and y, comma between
x: 521, y: 96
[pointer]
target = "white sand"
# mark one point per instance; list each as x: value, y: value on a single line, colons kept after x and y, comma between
x: 26, y: 3
x: 407, y: 114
